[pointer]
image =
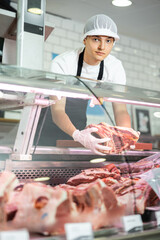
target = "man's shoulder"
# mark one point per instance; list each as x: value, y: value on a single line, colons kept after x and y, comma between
x: 66, y: 63
x: 68, y: 56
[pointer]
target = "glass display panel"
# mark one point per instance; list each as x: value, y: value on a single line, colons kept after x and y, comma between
x: 29, y: 101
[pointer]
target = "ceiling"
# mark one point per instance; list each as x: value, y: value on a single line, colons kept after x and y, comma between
x: 141, y: 20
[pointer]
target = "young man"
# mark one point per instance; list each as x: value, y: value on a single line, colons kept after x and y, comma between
x: 93, y: 62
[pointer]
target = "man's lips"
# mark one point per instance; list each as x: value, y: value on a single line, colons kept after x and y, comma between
x: 100, y: 53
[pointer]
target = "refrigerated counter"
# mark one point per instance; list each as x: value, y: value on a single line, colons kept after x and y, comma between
x: 29, y: 91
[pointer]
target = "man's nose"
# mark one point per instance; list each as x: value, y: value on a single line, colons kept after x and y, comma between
x: 102, y: 45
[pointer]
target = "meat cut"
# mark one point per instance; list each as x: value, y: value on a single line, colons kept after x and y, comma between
x: 91, y: 174
x: 109, y: 173
x: 121, y: 138
x: 8, y: 182
x: 100, y: 196
x: 134, y: 193
x: 44, y: 209
x: 143, y: 165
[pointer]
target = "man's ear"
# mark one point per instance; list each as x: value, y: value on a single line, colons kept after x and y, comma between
x: 84, y: 41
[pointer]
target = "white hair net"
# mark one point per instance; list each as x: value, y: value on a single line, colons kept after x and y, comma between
x: 100, y: 25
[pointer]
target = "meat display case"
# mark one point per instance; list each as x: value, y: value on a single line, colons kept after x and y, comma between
x: 29, y: 91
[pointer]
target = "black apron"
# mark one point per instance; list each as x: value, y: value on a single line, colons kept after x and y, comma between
x: 75, y: 109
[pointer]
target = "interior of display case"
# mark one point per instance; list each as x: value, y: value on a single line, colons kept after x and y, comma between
x: 130, y: 178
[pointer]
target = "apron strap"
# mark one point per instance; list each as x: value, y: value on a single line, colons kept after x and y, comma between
x: 100, y: 75
x: 80, y: 64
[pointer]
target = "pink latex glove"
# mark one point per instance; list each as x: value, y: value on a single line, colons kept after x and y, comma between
x: 89, y: 141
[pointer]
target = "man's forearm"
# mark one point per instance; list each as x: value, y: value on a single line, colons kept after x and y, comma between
x: 123, y: 120
x: 121, y: 115
x: 64, y: 123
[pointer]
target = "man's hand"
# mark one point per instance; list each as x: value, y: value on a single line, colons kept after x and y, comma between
x: 86, y: 138
x: 94, y: 101
x: 132, y: 147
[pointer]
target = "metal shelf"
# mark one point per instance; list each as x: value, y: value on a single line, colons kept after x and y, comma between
x: 7, y: 18
x: 9, y: 25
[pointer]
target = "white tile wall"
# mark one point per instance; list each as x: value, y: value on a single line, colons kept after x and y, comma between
x: 141, y: 59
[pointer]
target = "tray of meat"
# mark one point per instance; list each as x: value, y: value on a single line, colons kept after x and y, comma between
x: 44, y: 209
x: 100, y: 196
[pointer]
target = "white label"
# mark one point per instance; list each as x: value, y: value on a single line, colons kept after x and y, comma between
x: 14, y: 235
x: 132, y: 223
x: 157, y: 214
x: 79, y: 231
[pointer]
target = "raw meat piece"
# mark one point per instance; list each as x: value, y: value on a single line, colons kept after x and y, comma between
x: 121, y: 138
x: 8, y: 182
x: 91, y: 174
x: 97, y: 195
x: 136, y: 194
x: 140, y: 166
x: 110, y: 181
x: 91, y: 202
x: 45, y: 209
x: 112, y: 168
x: 35, y: 207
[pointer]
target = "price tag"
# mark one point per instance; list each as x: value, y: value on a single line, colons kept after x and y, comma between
x: 79, y: 231
x: 15, y: 235
x: 132, y: 223
x: 157, y: 214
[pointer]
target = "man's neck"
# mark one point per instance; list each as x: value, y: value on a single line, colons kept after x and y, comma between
x: 90, y: 61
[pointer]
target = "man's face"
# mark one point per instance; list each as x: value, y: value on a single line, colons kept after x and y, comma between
x: 97, y: 48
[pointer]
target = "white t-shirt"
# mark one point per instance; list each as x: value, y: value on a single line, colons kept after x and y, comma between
x: 67, y: 62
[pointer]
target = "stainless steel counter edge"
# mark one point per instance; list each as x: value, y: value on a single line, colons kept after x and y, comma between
x: 153, y: 234
x: 73, y: 151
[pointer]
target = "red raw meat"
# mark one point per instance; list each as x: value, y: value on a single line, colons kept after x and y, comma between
x: 8, y: 182
x: 91, y: 174
x: 121, y: 138
x: 136, y: 194
x: 91, y: 202
x: 140, y: 166
x: 45, y: 209
x: 97, y: 195
x: 35, y: 207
